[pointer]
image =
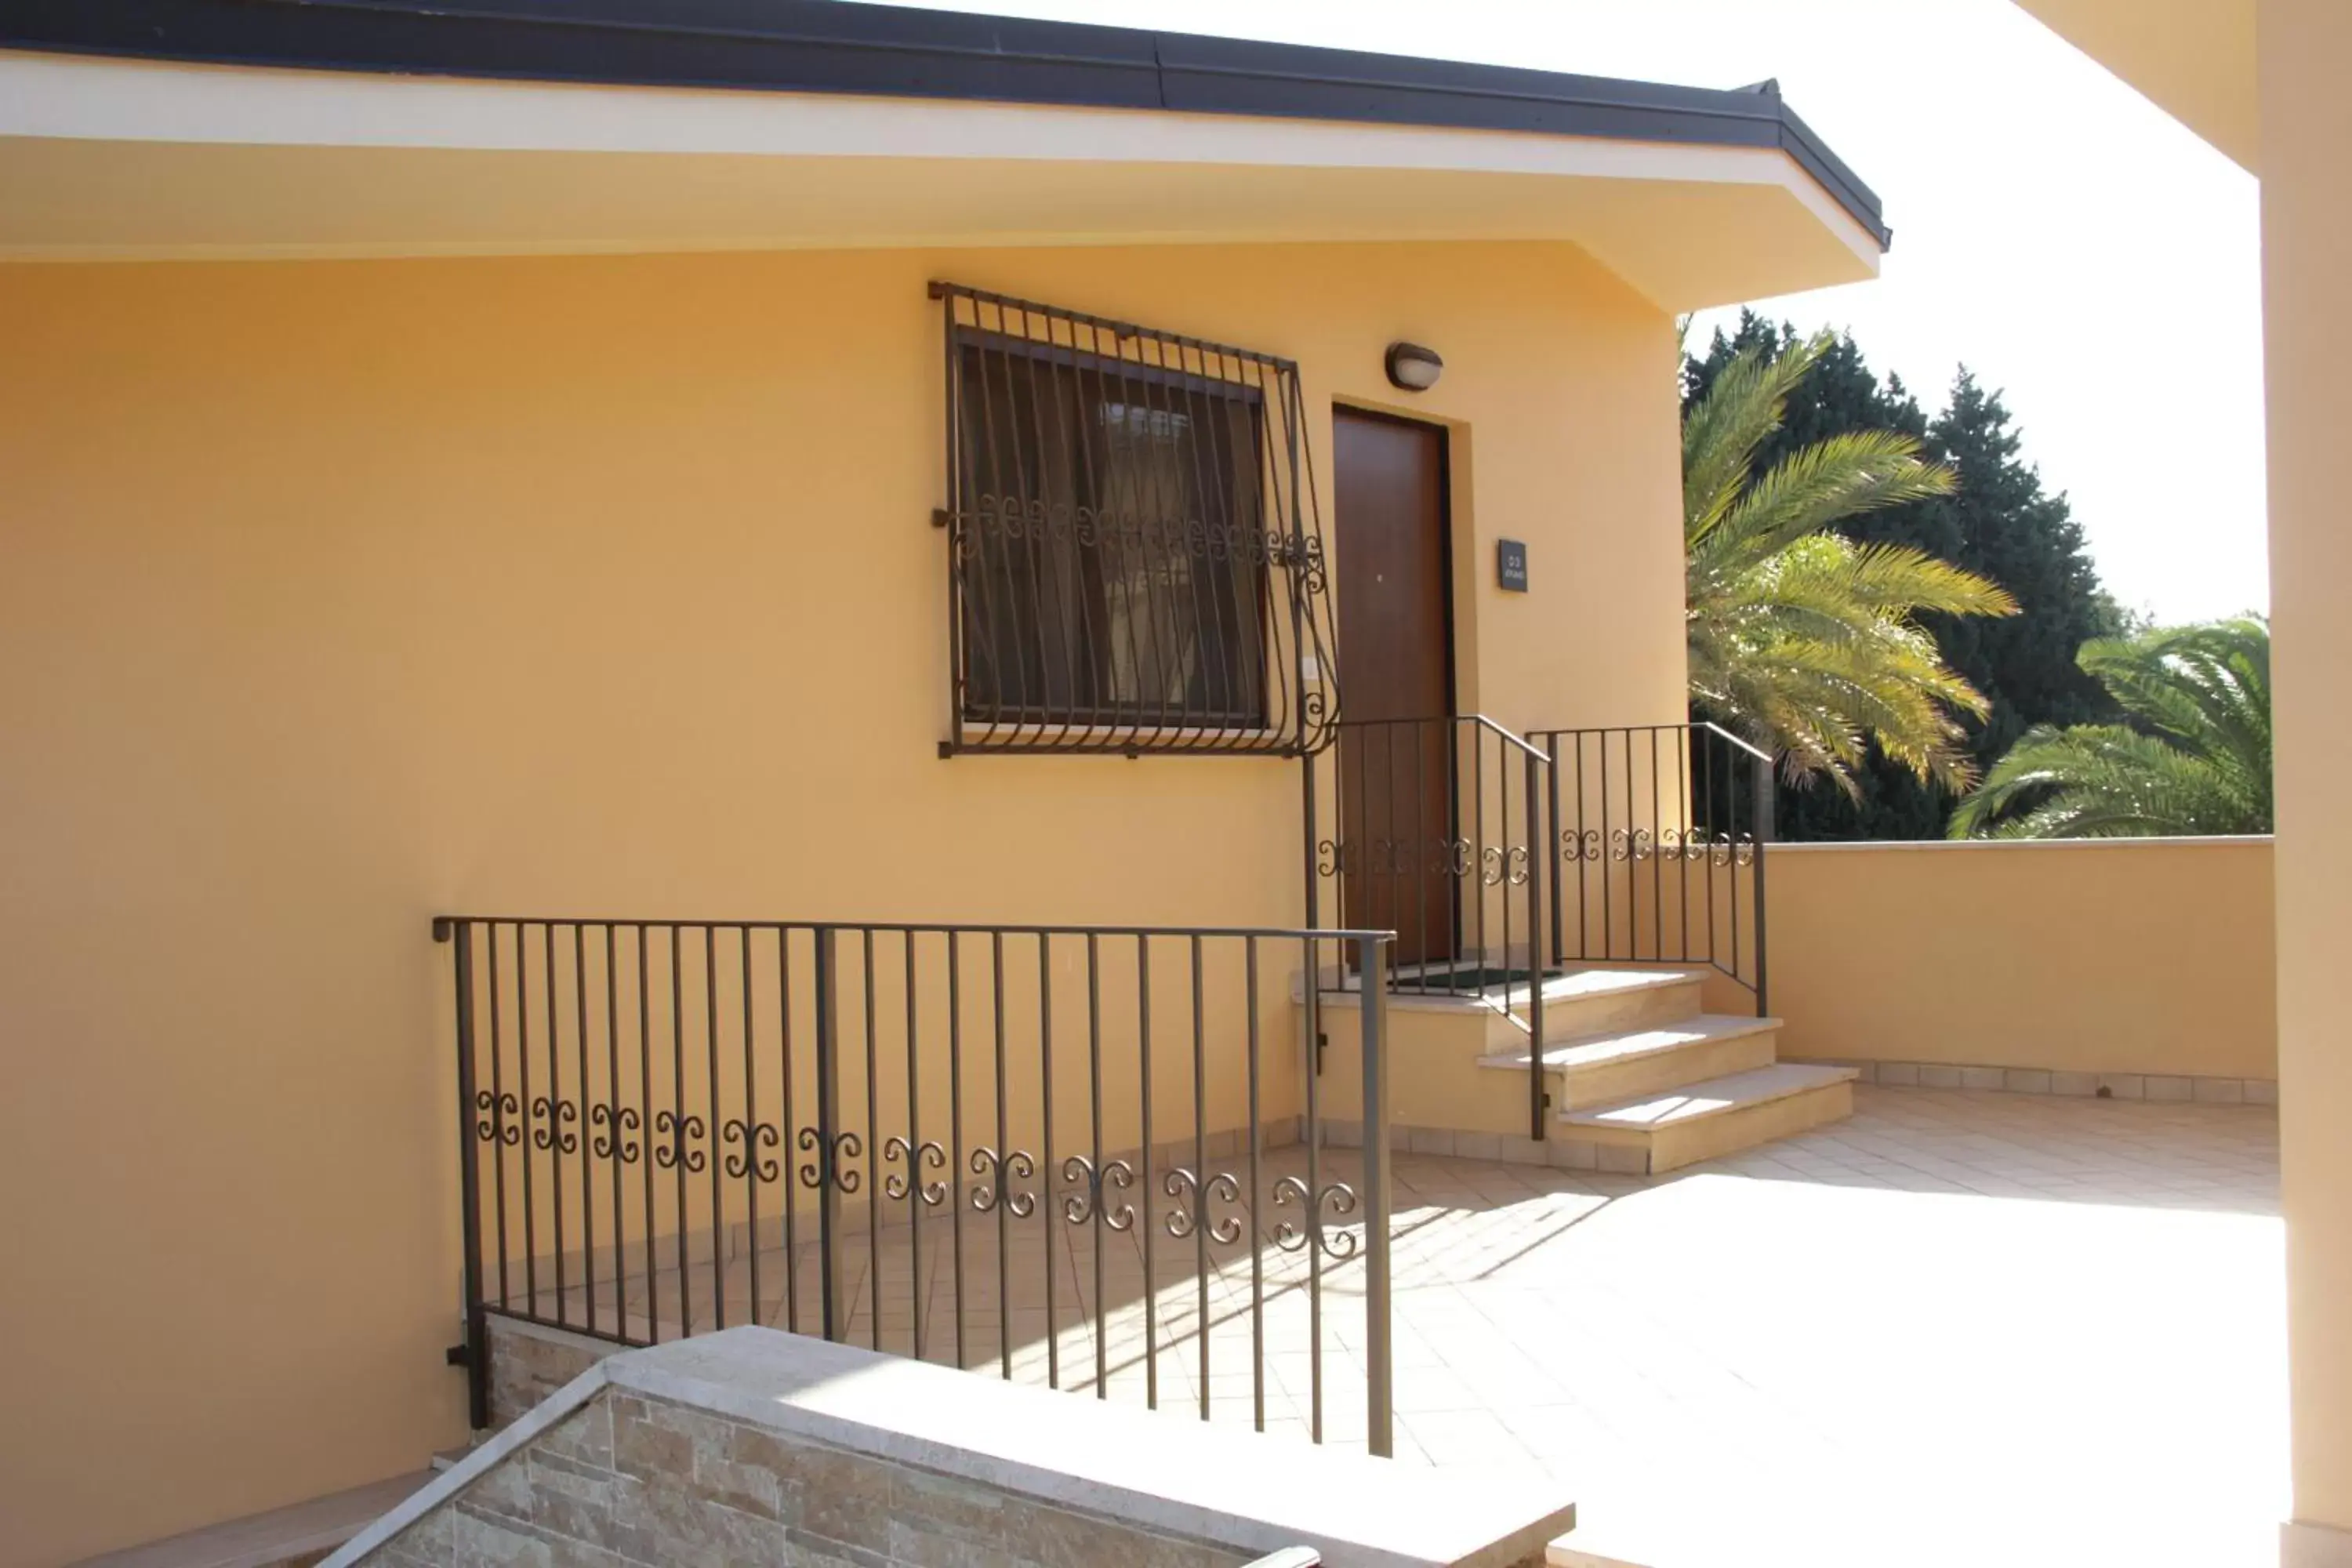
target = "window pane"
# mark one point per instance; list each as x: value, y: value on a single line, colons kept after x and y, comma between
x: 1117, y: 572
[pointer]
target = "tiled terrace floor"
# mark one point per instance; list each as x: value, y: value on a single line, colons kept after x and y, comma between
x: 1961, y: 1327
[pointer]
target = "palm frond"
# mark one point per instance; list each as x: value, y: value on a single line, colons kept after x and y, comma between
x: 2195, y: 759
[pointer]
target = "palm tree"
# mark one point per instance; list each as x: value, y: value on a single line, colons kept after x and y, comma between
x: 2194, y: 758
x: 1801, y: 639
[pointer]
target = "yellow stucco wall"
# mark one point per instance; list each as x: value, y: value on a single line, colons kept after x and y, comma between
x: 338, y: 594
x: 2125, y: 956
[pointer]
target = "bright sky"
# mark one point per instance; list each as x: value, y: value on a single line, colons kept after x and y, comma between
x: 2066, y: 240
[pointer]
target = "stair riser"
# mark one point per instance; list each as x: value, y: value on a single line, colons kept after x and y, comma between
x: 1710, y: 1138
x: 1618, y: 1012
x: 1685, y: 1065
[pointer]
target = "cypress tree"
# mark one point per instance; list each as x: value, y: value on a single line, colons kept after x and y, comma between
x: 1999, y: 523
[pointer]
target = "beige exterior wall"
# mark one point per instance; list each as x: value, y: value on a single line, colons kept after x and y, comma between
x: 341, y: 594
x: 2306, y: 52
x: 2126, y: 956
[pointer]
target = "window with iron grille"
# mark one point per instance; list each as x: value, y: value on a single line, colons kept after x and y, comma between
x: 1133, y: 561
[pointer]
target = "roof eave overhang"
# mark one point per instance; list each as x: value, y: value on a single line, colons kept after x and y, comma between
x: 823, y: 47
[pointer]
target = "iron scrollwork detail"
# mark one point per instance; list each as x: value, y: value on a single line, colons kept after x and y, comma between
x: 831, y: 1167
x: 753, y: 1136
x: 1314, y: 1230
x: 551, y: 1120
x: 1195, y: 1213
x: 1002, y: 1171
x: 681, y: 1134
x: 916, y: 1156
x: 1576, y: 847
x: 612, y: 1140
x: 498, y: 1124
x: 1087, y: 1203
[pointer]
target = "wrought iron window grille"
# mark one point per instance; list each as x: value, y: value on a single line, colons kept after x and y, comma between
x: 1135, y: 554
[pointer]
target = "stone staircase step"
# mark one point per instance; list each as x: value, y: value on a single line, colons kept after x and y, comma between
x: 1596, y: 999
x: 1601, y: 1069
x: 1652, y: 1133
x: 290, y: 1537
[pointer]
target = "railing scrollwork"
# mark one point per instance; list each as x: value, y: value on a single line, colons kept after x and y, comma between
x: 1088, y: 1201
x: 1337, y: 1200
x: 917, y: 1157
x: 1195, y: 1214
x: 1001, y: 1171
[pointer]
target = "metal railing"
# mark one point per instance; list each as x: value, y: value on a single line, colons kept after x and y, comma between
x: 1438, y: 833
x: 1660, y: 832
x: 988, y: 1145
x: 1134, y: 562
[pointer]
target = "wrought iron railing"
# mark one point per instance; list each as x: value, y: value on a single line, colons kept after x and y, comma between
x: 1438, y: 833
x: 1064, y: 1152
x: 1660, y: 832
x: 1134, y: 558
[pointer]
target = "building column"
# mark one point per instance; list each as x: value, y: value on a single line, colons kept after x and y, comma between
x: 2305, y: 51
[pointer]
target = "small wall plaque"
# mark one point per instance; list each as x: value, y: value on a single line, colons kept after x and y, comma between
x: 1511, y: 565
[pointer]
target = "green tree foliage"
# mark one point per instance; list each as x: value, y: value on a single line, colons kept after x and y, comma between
x: 1801, y: 639
x: 1996, y: 523
x: 2193, y: 755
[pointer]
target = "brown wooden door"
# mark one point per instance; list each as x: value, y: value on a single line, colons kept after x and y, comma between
x: 1396, y: 639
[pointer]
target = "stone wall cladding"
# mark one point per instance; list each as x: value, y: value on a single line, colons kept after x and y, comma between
x: 529, y: 1362
x: 628, y: 1480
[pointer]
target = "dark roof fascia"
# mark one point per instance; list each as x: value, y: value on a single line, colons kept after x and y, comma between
x: 824, y: 46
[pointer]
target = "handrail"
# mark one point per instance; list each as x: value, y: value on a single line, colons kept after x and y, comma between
x: 444, y: 924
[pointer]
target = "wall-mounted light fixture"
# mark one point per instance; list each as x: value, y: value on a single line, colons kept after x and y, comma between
x: 1413, y: 367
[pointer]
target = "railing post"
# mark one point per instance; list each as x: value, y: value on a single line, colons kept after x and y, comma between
x: 1537, y: 947
x: 1372, y: 956
x: 1764, y: 824
x: 476, y: 1349
x: 828, y: 1131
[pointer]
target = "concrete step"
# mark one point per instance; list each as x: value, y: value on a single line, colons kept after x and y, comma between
x: 1648, y: 1134
x: 287, y: 1537
x: 1600, y: 999
x: 1601, y: 1069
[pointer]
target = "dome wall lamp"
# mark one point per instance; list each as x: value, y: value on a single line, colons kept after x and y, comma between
x: 1413, y: 367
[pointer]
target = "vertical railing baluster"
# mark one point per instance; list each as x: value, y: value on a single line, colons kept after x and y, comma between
x: 524, y: 1102
x: 751, y: 1126
x: 1536, y: 856
x: 1199, y: 1175
x: 646, y: 1093
x: 469, y: 1180
x: 870, y: 1156
x: 1101, y: 1189
x: 955, y: 1138
x: 789, y: 1134
x: 679, y: 1149
x: 1258, y: 1192
x: 719, y: 1240
x: 1314, y: 1141
x: 1002, y: 1177
x: 914, y: 1154
x: 497, y: 1110
x: 613, y: 1131
x: 826, y: 998
x: 1048, y: 1173
x: 1380, y: 1403
x: 553, y: 1131
x: 1151, y: 1285
x: 587, y: 1141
